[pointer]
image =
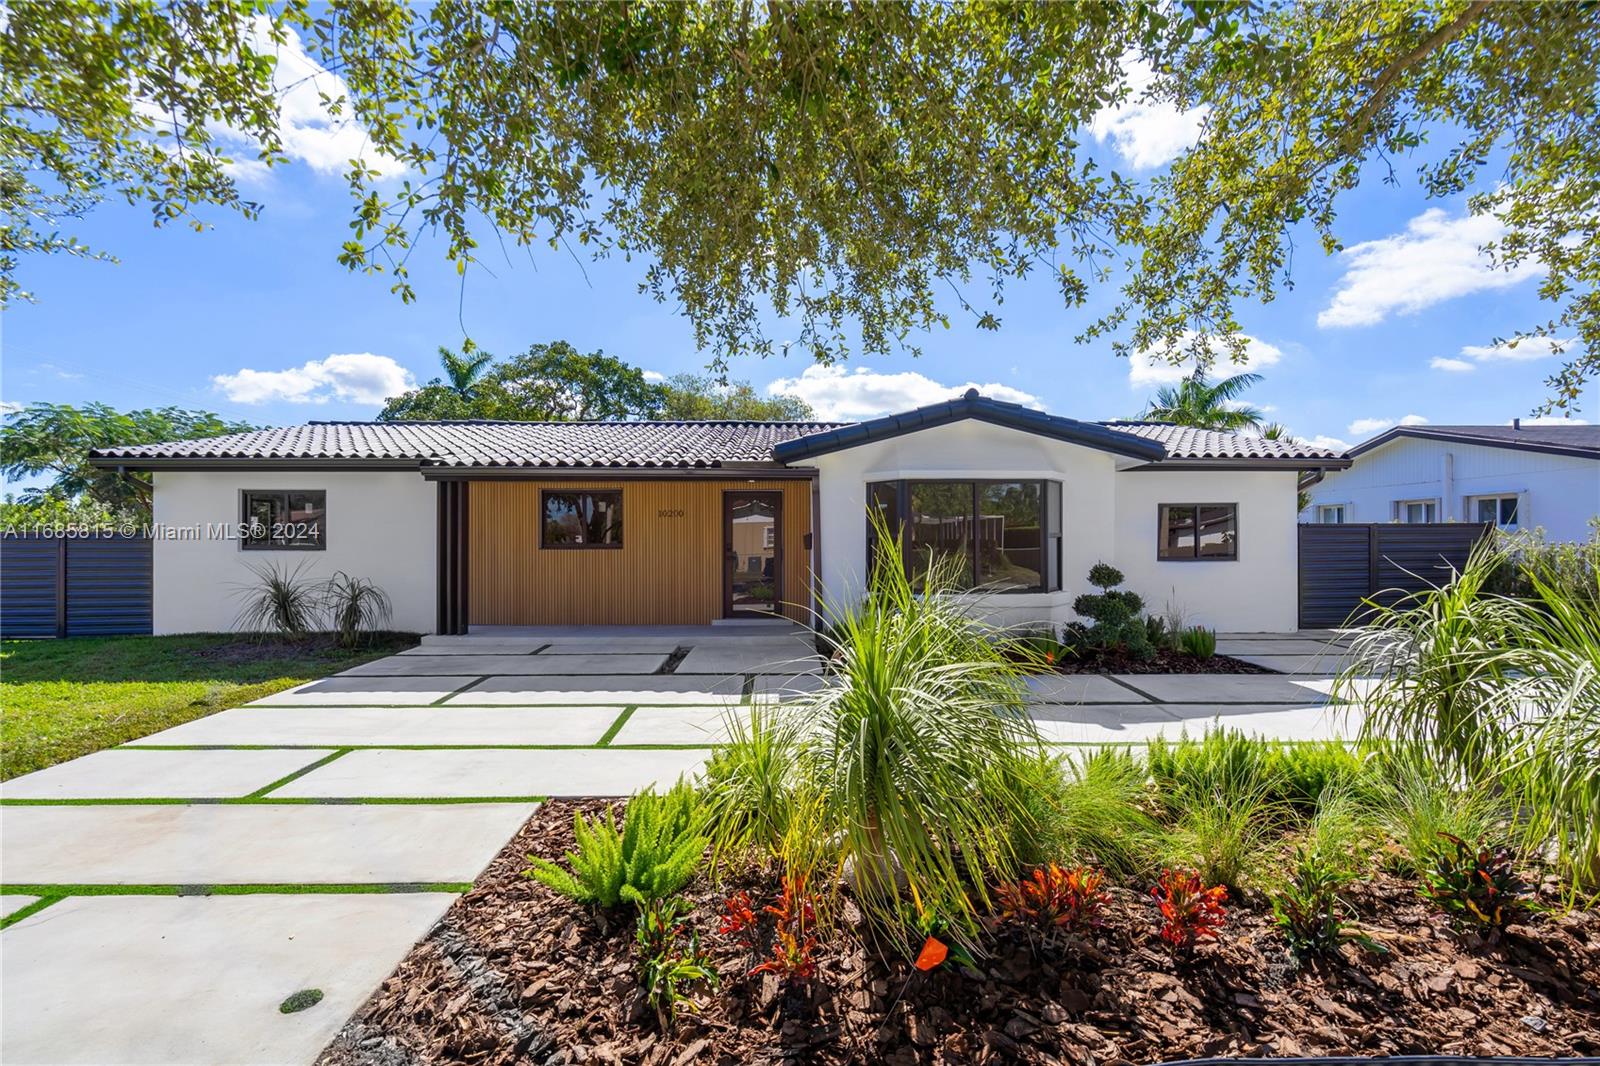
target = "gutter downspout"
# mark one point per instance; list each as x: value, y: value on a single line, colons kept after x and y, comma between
x: 1447, y: 487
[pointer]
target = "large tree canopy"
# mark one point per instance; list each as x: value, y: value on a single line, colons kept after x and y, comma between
x: 54, y: 439
x: 857, y: 168
x: 555, y: 382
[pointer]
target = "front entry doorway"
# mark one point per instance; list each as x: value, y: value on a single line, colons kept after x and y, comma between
x: 752, y: 549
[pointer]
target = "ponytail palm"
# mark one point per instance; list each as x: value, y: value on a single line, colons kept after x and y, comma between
x: 913, y: 751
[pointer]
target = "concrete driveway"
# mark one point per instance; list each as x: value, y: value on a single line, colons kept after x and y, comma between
x: 176, y: 889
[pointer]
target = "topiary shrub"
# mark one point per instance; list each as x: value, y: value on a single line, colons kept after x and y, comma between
x: 1115, y: 614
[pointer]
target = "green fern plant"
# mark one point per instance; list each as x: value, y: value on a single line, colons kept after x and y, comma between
x: 651, y: 856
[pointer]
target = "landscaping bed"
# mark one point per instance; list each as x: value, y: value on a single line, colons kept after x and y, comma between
x: 1164, y: 661
x: 516, y: 972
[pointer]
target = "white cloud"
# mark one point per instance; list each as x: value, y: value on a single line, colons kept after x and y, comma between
x: 353, y: 377
x: 839, y: 394
x: 1526, y: 349
x: 1333, y: 444
x: 654, y: 377
x: 1362, y: 427
x: 1146, y: 368
x: 1147, y: 133
x: 310, y: 133
x: 9, y: 408
x: 1552, y: 420
x: 1434, y: 260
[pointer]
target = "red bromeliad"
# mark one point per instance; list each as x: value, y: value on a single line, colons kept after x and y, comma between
x: 1054, y: 898
x: 793, y: 916
x: 1190, y: 912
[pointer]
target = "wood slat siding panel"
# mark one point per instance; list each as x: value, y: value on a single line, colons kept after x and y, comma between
x: 667, y: 572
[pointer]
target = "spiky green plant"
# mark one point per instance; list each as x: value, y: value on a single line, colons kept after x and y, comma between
x: 1089, y: 807
x: 1226, y: 837
x: 1417, y: 803
x: 653, y: 855
x: 748, y: 783
x: 911, y: 749
x: 1501, y: 691
x: 356, y: 606
x: 280, y: 600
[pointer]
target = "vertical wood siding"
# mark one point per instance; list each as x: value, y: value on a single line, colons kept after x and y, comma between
x: 667, y: 572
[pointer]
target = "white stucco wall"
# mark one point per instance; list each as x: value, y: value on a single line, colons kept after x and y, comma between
x: 1558, y: 493
x: 380, y: 526
x: 1258, y: 591
x: 1108, y: 513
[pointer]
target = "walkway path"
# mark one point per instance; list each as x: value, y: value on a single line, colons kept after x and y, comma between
x: 168, y: 894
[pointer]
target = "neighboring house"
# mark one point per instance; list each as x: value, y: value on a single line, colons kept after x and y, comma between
x: 517, y: 523
x: 1517, y: 477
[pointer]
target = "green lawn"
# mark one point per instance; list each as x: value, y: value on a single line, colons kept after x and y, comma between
x: 63, y: 698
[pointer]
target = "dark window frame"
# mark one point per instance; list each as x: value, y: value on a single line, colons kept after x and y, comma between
x: 544, y: 541
x: 269, y: 545
x: 1050, y: 527
x: 1161, y: 534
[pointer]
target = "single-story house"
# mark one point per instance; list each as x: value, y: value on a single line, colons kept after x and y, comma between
x: 1519, y: 477
x: 477, y: 523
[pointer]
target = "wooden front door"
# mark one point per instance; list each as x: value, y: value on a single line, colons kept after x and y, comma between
x: 752, y: 551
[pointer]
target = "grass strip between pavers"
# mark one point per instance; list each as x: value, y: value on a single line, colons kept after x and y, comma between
x: 284, y: 780
x: 33, y: 908
x: 260, y: 801
x: 616, y: 727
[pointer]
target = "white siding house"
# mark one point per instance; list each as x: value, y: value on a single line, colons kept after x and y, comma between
x: 1519, y: 477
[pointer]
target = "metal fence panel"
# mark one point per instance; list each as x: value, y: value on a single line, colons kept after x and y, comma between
x: 1342, y: 565
x: 90, y: 586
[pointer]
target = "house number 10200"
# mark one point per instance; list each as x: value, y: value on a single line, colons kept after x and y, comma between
x: 670, y: 512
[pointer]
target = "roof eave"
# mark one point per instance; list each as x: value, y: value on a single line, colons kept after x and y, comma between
x: 1248, y: 463
x: 1422, y: 433
x: 235, y: 462
x: 975, y: 408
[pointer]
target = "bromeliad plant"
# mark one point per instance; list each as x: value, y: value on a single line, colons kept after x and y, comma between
x: 908, y: 750
x: 1477, y: 884
x: 1190, y: 911
x: 1054, y: 900
x: 788, y: 924
x: 652, y: 856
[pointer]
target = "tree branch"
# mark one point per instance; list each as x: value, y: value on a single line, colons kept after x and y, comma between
x: 1382, y: 88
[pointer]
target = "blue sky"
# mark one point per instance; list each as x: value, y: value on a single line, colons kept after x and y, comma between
x: 257, y: 320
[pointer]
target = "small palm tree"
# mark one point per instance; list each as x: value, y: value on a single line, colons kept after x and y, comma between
x: 1196, y: 401
x: 464, y: 370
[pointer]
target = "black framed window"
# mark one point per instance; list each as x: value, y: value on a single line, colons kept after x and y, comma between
x: 283, y: 520
x: 588, y: 519
x: 1198, y: 531
x: 1003, y: 536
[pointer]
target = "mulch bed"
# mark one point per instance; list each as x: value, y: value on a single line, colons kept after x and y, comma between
x: 1109, y: 661
x: 248, y: 649
x: 516, y: 974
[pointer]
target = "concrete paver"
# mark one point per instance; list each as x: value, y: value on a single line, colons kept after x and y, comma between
x: 613, y: 691
x: 1283, y: 646
x: 496, y: 647
x: 674, y: 725
x: 780, y: 688
x: 254, y: 844
x: 1221, y: 688
x: 482, y: 665
x: 481, y: 772
x: 612, y: 646
x: 1079, y: 688
x: 338, y: 726
x: 382, y: 691
x: 1270, y: 720
x: 156, y: 774
x: 787, y: 658
x: 198, y: 979
x: 1323, y: 664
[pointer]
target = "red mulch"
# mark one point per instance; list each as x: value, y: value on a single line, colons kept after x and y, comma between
x: 516, y: 974
x: 1110, y: 661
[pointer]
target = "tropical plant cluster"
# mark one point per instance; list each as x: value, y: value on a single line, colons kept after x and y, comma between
x: 288, y: 603
x: 1495, y: 677
x: 910, y: 804
x: 1118, y: 627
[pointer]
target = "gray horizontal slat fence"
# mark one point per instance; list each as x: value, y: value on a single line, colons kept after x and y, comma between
x: 1342, y: 565
x: 74, y: 587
